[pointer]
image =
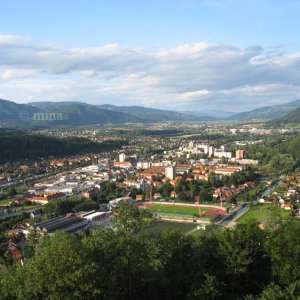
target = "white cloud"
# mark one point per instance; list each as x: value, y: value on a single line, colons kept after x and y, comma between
x: 194, y: 94
x: 199, y: 75
x: 13, y: 40
x: 16, y: 73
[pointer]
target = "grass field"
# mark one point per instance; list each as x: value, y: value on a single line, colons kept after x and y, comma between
x: 262, y: 212
x: 161, y: 226
x: 7, y: 201
x: 176, y: 209
x: 188, y: 135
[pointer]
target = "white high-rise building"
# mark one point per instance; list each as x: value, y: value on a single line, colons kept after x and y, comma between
x: 223, y: 148
x: 211, y: 151
x: 203, y: 148
x: 221, y: 154
x: 122, y: 157
x: 170, y: 172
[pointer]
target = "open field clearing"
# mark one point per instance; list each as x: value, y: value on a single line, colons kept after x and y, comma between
x: 262, y: 212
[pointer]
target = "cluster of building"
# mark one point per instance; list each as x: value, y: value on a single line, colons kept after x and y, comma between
x: 223, y: 193
x: 85, y: 181
x: 205, y: 150
x: 286, y: 195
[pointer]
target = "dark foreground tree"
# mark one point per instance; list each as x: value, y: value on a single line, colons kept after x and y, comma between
x: 128, y: 262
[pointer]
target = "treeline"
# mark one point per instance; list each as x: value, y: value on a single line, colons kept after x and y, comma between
x: 282, y: 156
x: 62, y: 206
x: 129, y: 263
x: 30, y: 146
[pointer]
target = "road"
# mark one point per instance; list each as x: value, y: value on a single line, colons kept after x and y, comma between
x: 20, y: 212
x: 229, y: 221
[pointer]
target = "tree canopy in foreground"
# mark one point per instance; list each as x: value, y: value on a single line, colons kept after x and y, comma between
x: 128, y: 263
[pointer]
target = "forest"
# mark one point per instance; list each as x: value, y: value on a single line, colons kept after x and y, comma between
x: 278, y: 155
x: 33, y: 146
x: 129, y: 263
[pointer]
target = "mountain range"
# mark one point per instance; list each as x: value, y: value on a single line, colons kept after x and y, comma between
x: 210, y: 114
x: 267, y: 112
x: 79, y: 113
x: 151, y: 114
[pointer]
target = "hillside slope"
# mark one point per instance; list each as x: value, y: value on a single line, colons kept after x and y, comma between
x: 267, y: 112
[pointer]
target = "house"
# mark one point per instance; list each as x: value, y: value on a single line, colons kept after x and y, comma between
x: 44, y: 198
x: 122, y: 165
x: 173, y: 194
x: 139, y: 185
x: 115, y: 203
x: 182, y: 168
x: 157, y: 195
x: 89, y: 194
x: 291, y: 193
x: 286, y: 206
x: 139, y: 198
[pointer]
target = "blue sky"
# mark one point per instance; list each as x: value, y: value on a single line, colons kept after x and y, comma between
x: 178, y: 54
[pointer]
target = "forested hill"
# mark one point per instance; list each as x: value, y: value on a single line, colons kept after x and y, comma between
x: 292, y: 117
x: 28, y: 146
x: 9, y: 111
x: 267, y: 112
x: 281, y: 156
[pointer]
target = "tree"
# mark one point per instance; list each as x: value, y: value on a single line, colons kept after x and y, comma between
x: 245, y: 261
x: 210, y: 289
x: 205, y: 196
x: 212, y: 179
x: 55, y: 272
x: 11, y: 192
x: 86, y: 206
x: 182, y: 196
x: 283, y: 246
x: 130, y: 219
x: 275, y: 292
x: 166, y: 189
x: 194, y: 188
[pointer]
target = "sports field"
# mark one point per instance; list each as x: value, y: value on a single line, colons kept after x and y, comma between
x: 174, y: 209
x: 262, y: 212
x: 161, y: 226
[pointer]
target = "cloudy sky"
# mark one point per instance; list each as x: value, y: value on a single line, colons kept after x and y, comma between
x: 172, y: 54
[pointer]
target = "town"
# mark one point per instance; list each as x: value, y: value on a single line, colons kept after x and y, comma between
x: 183, y: 182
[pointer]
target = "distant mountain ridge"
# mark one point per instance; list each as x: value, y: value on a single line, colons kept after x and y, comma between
x: 293, y: 117
x: 79, y: 113
x: 211, y: 114
x: 10, y: 111
x: 151, y: 114
x: 267, y: 112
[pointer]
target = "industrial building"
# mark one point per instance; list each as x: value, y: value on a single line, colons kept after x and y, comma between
x: 70, y: 224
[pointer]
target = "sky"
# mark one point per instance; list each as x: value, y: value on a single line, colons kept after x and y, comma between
x: 173, y: 54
